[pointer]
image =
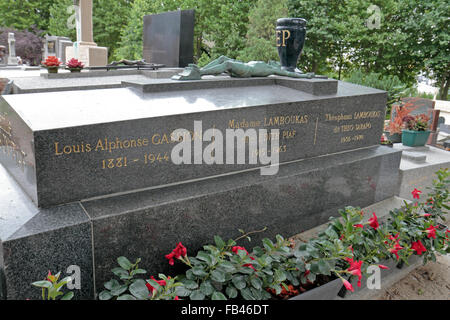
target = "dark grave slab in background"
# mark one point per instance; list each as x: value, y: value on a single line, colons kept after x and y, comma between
x: 169, y: 38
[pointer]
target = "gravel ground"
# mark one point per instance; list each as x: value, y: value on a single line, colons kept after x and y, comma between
x: 430, y: 282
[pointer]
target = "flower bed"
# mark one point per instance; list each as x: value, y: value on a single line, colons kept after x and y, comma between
x: 282, y: 269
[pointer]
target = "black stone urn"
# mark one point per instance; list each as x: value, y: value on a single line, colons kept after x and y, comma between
x: 291, y: 33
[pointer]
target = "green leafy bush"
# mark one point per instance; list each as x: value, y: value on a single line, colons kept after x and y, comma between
x: 391, y: 84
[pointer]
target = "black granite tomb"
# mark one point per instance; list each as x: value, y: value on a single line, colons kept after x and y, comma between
x: 169, y: 38
x: 56, y: 151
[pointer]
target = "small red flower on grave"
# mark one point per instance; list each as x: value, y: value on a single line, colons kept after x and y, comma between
x: 74, y: 63
x: 150, y: 287
x: 180, y: 251
x: 51, y: 61
x: 418, y: 247
x: 176, y: 298
x: 170, y: 257
x: 416, y: 193
x: 348, y: 285
x: 355, y: 269
x: 177, y: 253
x: 427, y: 215
x: 431, y: 232
x: 358, y: 226
x: 249, y: 264
x: 396, y: 249
x: 383, y: 267
x: 237, y: 248
x: 373, y: 222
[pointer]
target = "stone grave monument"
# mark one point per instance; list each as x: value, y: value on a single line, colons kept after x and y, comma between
x: 85, y: 49
x: 3, y: 58
x: 98, y: 174
x: 169, y: 38
x: 12, y: 58
x: 93, y: 180
x: 56, y: 46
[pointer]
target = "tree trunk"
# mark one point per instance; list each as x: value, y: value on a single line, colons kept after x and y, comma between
x: 443, y: 90
x: 315, y: 66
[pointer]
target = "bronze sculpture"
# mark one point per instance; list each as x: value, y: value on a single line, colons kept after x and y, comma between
x: 239, y: 69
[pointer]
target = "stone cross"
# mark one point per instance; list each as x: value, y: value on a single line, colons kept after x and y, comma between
x: 85, y: 35
x: 12, y: 59
x: 12, y: 44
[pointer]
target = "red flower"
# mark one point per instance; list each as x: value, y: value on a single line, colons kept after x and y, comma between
x: 177, y: 253
x: 426, y: 215
x: 355, y: 269
x: 150, y: 287
x: 180, y: 251
x: 396, y: 249
x: 358, y: 226
x: 348, y: 285
x: 51, y: 61
x: 237, y: 248
x: 176, y: 298
x: 431, y: 232
x: 416, y: 193
x: 418, y: 247
x: 373, y: 222
x: 170, y: 257
x: 383, y: 267
x: 74, y: 63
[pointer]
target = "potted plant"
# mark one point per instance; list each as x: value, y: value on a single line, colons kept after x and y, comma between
x: 416, y: 131
x: 394, y: 129
x: 74, y: 65
x: 52, y: 64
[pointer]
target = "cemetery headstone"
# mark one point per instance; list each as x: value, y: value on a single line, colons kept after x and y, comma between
x: 3, y: 59
x: 169, y: 38
x: 56, y: 46
x: 12, y: 58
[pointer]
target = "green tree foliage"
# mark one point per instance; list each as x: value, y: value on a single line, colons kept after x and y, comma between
x: 60, y: 12
x: 220, y: 26
x: 261, y: 38
x: 430, y: 24
x: 326, y: 42
x: 24, y: 14
x: 224, y: 26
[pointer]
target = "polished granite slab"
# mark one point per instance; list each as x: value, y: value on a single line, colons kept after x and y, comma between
x: 53, y: 143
